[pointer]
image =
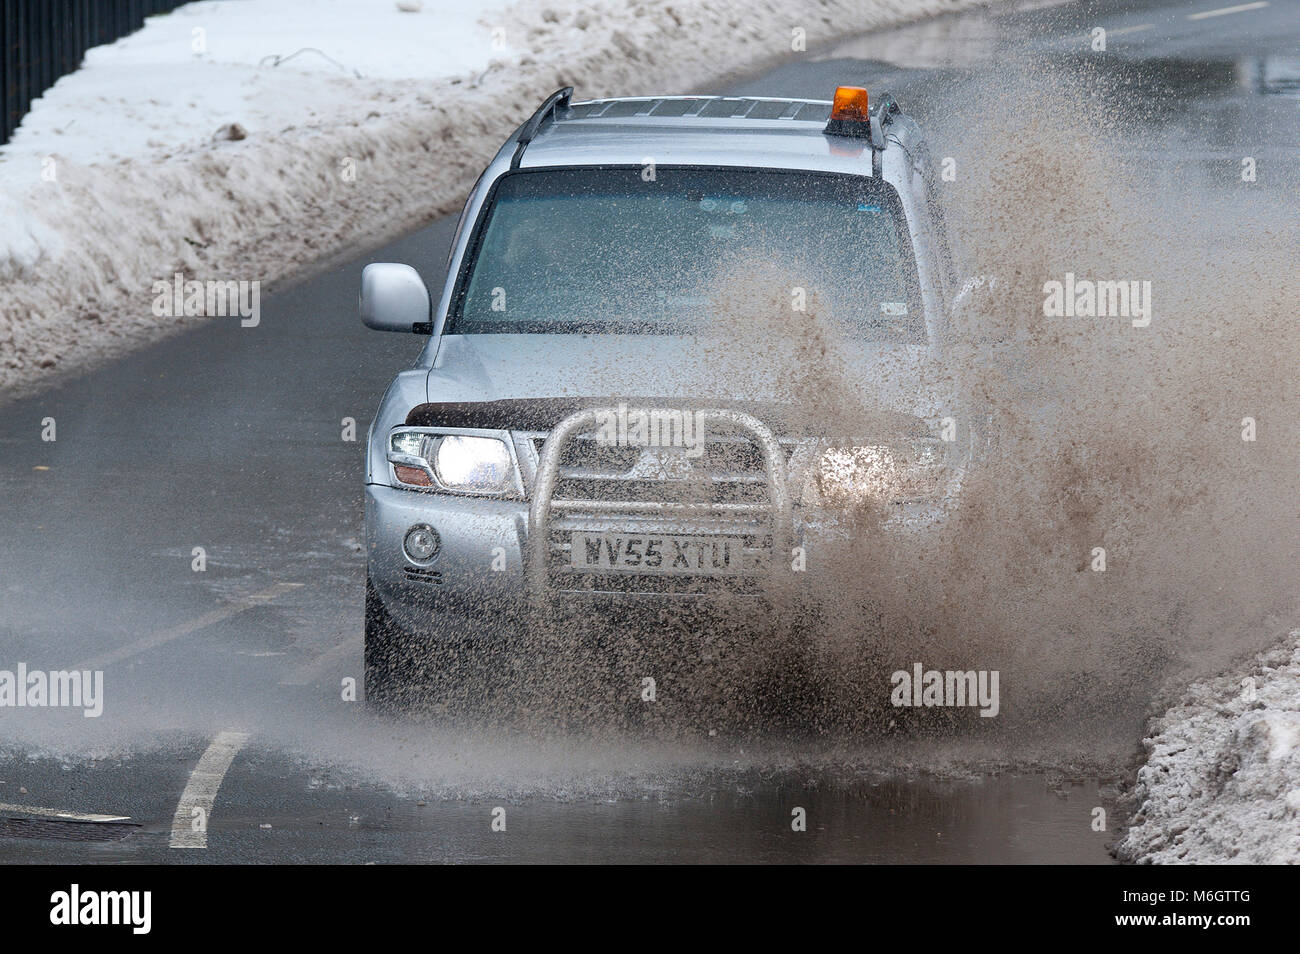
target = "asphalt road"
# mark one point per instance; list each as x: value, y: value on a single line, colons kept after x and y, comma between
x: 232, y: 439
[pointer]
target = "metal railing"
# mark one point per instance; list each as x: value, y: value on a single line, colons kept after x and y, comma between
x: 41, y: 40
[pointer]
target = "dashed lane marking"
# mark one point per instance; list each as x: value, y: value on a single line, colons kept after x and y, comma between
x: 201, y: 791
x: 1224, y: 11
x: 1130, y: 29
x: 1118, y: 31
x: 164, y: 636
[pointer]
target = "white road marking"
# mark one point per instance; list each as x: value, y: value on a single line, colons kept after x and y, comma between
x: 1118, y: 31
x: 58, y: 813
x: 1224, y: 11
x: 201, y: 790
x: 319, y: 666
x: 164, y: 636
x: 1133, y: 29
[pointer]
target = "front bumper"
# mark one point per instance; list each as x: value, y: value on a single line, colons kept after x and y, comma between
x: 486, y: 581
x: 474, y: 585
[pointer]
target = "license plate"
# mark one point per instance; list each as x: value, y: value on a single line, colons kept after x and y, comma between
x: 655, y: 553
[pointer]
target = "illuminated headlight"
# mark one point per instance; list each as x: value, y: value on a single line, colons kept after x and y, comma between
x: 457, y: 463
x: 884, y: 473
x: 476, y: 464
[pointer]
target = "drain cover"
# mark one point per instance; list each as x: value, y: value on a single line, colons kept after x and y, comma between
x: 60, y: 830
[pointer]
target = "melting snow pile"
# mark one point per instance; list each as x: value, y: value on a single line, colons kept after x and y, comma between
x: 1222, y: 779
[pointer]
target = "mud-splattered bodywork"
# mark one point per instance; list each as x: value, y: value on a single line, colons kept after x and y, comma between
x: 807, y: 395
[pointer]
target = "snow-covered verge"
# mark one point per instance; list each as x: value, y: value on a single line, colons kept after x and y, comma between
x: 1221, y: 782
x: 115, y: 180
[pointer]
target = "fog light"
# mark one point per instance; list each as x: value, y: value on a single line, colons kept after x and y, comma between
x: 421, y: 543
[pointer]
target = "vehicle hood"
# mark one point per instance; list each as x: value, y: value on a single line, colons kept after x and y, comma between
x: 885, y: 377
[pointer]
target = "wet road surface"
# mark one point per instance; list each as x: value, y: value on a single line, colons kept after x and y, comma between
x: 233, y: 440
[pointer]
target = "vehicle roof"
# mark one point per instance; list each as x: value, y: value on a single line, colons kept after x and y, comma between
x: 697, y: 131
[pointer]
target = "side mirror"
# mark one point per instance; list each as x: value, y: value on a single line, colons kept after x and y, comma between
x: 394, y: 298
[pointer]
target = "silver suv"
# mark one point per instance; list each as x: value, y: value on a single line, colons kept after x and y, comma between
x: 557, y: 447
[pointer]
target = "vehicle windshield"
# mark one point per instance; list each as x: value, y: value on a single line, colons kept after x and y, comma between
x: 621, y: 250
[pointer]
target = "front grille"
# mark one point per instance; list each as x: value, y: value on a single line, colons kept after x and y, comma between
x: 726, y: 457
x: 718, y: 489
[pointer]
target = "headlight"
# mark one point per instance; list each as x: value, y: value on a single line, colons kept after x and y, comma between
x: 885, y: 473
x: 477, y: 464
x: 458, y: 463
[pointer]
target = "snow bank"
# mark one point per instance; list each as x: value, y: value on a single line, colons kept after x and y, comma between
x: 1222, y: 778
x: 115, y: 180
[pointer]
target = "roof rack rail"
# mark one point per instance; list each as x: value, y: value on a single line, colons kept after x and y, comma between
x: 560, y: 99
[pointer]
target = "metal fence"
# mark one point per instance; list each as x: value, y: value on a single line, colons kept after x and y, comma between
x: 41, y: 40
